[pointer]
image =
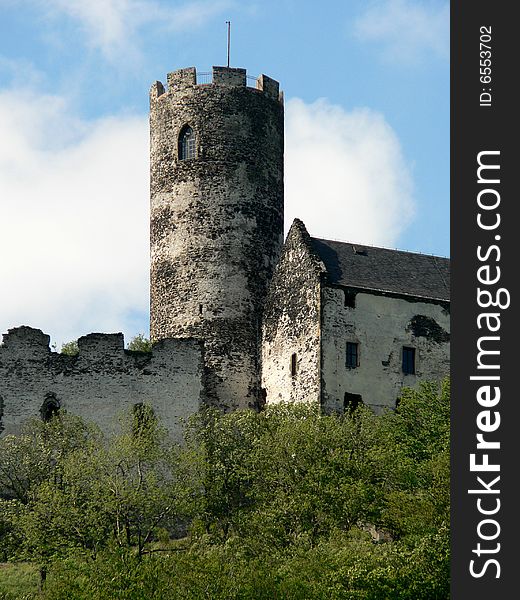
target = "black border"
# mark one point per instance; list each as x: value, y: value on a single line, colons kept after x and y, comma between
x: 476, y: 128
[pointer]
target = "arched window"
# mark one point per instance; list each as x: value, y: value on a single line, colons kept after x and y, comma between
x: 186, y: 143
x: 50, y: 407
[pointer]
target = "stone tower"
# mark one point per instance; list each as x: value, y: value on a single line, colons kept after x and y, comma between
x: 216, y: 222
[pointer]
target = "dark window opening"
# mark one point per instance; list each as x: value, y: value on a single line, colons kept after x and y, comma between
x: 200, y: 309
x: 408, y: 360
x: 50, y: 407
x: 350, y: 299
x: 293, y: 365
x: 352, y: 359
x: 351, y: 402
x: 186, y: 143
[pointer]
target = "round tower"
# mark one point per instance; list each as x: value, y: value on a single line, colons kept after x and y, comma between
x: 216, y: 222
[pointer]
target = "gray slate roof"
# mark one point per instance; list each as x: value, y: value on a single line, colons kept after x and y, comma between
x: 371, y: 268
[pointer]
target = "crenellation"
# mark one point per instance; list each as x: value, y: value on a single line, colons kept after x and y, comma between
x: 102, y: 381
x: 156, y: 90
x: 239, y: 318
x: 26, y: 339
x: 270, y: 87
x: 216, y: 224
x: 229, y: 76
x: 181, y: 79
x: 101, y: 345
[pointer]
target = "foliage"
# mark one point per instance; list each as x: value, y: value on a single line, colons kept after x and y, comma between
x: 140, y: 343
x: 286, y: 503
x: 70, y: 348
x: 38, y: 452
x: 18, y: 581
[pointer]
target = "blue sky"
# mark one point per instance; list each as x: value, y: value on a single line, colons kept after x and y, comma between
x: 367, y: 135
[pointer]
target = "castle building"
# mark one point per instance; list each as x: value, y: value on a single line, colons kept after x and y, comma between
x: 237, y: 317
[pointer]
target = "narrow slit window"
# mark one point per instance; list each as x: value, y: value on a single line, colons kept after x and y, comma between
x: 408, y: 360
x: 352, y: 357
x: 293, y: 365
x: 186, y: 143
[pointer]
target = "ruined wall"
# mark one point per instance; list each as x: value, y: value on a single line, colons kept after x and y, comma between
x: 101, y: 382
x: 216, y: 220
x: 381, y: 325
x: 292, y: 323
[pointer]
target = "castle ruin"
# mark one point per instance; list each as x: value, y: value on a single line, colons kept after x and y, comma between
x: 239, y: 318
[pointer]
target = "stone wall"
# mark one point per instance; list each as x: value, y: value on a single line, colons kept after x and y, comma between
x: 380, y: 325
x: 292, y: 323
x: 101, y: 382
x: 216, y: 220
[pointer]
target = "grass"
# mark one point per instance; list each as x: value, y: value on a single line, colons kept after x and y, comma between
x: 18, y: 581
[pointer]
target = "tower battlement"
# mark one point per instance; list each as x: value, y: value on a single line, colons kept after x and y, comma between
x: 182, y: 79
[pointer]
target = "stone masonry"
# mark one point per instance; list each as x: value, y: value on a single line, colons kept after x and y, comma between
x: 237, y: 318
x: 216, y: 226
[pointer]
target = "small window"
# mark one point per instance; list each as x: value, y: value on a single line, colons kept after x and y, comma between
x: 186, y: 143
x: 350, y: 298
x: 351, y: 402
x: 293, y: 365
x: 352, y: 359
x: 408, y: 360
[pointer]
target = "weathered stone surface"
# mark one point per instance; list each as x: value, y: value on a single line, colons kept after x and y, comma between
x: 233, y: 322
x: 216, y: 221
x: 379, y: 325
x: 101, y: 382
x: 292, y: 323
x: 311, y: 317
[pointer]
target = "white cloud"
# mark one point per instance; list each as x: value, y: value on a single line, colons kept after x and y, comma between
x: 345, y: 174
x: 74, y: 204
x: 74, y: 218
x: 113, y: 26
x: 406, y: 30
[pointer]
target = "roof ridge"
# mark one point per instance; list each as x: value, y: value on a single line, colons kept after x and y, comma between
x: 361, y: 244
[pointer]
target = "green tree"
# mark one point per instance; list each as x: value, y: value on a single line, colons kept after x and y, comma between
x: 70, y: 348
x: 140, y: 343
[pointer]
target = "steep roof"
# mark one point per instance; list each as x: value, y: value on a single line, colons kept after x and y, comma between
x: 381, y: 269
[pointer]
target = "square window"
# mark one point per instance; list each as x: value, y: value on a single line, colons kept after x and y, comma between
x: 352, y: 358
x: 408, y: 360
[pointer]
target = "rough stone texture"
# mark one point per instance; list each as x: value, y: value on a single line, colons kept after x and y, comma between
x: 101, y: 382
x: 292, y: 323
x: 309, y: 314
x: 228, y: 313
x: 216, y: 221
x: 381, y: 325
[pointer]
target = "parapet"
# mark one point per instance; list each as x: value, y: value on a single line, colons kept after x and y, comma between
x: 27, y: 341
x: 229, y: 76
x: 220, y: 76
x: 101, y: 344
